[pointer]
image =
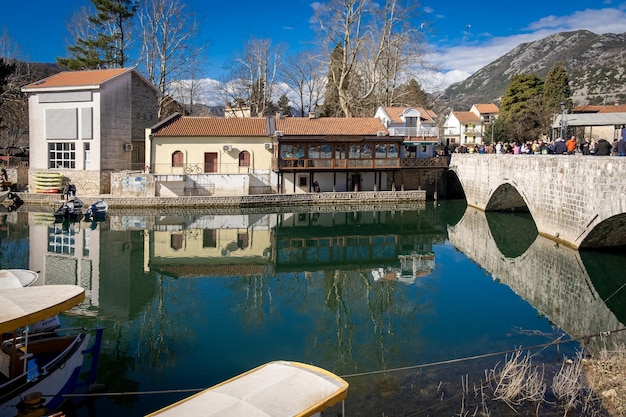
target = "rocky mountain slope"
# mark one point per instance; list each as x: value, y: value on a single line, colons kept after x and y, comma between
x: 595, y: 65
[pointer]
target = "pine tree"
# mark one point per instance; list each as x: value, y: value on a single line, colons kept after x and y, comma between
x: 412, y: 95
x: 521, y: 109
x: 556, y: 89
x: 105, y: 46
x: 331, y: 106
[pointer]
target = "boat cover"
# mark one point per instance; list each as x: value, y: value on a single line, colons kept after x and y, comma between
x: 23, y: 306
x: 17, y: 278
x: 276, y: 389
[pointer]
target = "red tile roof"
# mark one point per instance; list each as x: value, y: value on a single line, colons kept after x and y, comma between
x: 330, y: 126
x: 210, y: 126
x: 78, y: 78
x: 395, y: 112
x: 466, y: 117
x: 487, y: 108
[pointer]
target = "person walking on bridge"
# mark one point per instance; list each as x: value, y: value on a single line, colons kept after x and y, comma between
x: 621, y: 147
x: 603, y: 147
x: 571, y: 145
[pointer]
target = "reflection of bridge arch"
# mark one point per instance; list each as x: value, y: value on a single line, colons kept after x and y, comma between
x: 549, y: 276
x: 578, y: 200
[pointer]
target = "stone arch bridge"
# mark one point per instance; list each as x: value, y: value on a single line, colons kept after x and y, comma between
x: 577, y: 200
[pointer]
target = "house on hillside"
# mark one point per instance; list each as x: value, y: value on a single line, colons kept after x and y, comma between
x: 210, y: 156
x: 334, y: 154
x: 415, y: 125
x: 462, y: 128
x: 87, y: 124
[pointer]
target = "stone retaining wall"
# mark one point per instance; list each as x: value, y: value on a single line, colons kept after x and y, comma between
x: 259, y: 200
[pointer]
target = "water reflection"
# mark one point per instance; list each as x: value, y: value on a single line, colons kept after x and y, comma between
x: 191, y: 299
x: 553, y: 278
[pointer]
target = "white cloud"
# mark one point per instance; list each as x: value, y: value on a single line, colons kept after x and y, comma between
x: 455, y: 61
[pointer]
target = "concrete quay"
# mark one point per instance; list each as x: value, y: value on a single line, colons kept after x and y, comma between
x: 242, y: 201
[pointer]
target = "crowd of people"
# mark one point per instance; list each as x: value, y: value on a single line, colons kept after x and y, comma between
x: 560, y: 146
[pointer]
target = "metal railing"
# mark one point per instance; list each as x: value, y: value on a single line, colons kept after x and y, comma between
x: 414, y: 131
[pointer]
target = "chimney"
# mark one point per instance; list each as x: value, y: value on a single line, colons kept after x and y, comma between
x: 278, y: 115
x: 312, y: 115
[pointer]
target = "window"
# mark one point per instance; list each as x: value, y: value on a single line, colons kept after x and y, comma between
x: 177, y: 159
x: 87, y: 150
x: 209, y: 238
x: 62, y: 155
x: 176, y: 241
x: 302, y: 181
x: 244, y: 159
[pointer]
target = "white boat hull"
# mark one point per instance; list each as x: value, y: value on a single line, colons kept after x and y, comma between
x: 62, y: 380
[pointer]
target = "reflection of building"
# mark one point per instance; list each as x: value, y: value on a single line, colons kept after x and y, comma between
x: 107, y: 265
x: 210, y: 245
x: 72, y: 253
x: 411, y: 267
x: 390, y: 245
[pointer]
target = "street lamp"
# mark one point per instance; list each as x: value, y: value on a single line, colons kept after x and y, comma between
x: 563, y: 124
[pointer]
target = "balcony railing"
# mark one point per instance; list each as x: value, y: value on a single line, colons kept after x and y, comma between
x: 198, y: 169
x: 414, y: 131
x: 434, y: 162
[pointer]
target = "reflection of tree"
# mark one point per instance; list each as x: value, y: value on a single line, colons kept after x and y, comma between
x: 364, y: 315
x: 159, y: 331
x: 253, y: 313
x: 115, y: 363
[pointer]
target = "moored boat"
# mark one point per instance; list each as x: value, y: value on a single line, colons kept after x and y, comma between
x: 96, y: 211
x: 16, y: 278
x: 71, y: 210
x: 39, y: 362
x: 277, y: 389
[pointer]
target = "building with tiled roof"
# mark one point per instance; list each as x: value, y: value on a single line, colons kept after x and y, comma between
x: 462, y: 128
x: 238, y: 156
x: 415, y: 124
x: 84, y: 124
x: 211, y: 156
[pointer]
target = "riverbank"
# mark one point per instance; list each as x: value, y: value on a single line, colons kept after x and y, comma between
x: 606, y: 375
x: 242, y: 201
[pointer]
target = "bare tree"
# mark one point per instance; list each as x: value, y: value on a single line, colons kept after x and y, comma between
x: 252, y: 81
x: 379, y: 49
x: 168, y: 30
x: 305, y: 78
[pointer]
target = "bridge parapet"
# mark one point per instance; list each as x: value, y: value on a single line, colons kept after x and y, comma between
x: 578, y: 200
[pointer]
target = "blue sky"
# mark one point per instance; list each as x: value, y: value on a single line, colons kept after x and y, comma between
x: 464, y: 36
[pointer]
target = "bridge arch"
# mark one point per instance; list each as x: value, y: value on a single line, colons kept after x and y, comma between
x: 577, y: 200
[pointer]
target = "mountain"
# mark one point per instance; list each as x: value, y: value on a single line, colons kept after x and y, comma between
x: 595, y: 65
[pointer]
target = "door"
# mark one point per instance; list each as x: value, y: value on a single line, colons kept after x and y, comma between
x: 210, y: 162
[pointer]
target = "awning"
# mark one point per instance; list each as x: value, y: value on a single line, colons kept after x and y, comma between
x: 24, y: 306
x: 590, y: 119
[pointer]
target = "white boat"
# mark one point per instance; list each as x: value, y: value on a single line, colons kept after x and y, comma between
x: 16, y: 278
x: 276, y: 389
x: 38, y: 367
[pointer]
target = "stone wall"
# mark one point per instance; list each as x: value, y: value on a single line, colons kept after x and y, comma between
x: 90, y: 183
x: 567, y: 196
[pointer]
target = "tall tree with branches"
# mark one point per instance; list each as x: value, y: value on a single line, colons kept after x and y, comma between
x: 168, y: 29
x: 103, y: 40
x: 379, y: 49
x: 252, y: 81
x: 304, y: 76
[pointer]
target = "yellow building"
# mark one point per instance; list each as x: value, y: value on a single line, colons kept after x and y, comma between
x: 210, y: 156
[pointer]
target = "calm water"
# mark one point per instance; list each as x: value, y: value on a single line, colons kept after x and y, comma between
x: 188, y: 301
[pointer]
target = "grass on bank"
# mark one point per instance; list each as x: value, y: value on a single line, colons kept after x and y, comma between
x: 581, y: 387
